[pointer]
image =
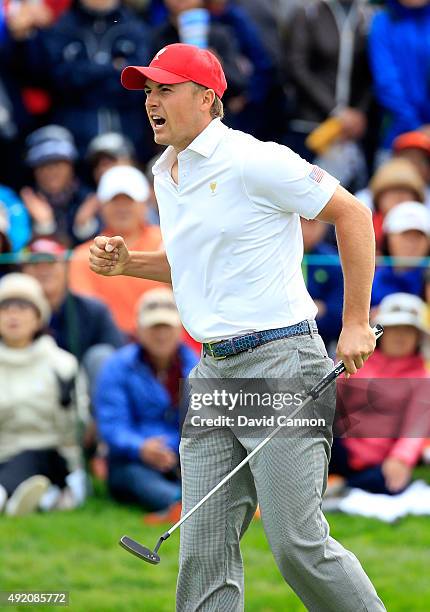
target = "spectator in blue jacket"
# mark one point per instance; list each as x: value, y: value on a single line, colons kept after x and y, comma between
x: 84, y: 53
x: 137, y: 406
x: 407, y: 234
x: 324, y: 279
x: 399, y: 47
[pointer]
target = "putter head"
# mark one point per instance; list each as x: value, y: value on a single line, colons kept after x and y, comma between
x: 140, y: 551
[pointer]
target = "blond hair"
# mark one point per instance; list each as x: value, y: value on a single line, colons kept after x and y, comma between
x: 217, y: 108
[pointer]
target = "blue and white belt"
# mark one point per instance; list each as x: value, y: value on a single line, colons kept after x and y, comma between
x: 232, y: 346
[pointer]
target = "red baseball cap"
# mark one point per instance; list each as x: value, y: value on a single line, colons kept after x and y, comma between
x: 178, y: 63
x: 412, y: 140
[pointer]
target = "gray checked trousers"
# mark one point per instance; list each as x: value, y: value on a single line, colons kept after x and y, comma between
x: 288, y: 478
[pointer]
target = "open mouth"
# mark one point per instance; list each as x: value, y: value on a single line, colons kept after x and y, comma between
x: 158, y: 121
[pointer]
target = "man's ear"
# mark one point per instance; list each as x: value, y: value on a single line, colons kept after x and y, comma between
x: 208, y: 98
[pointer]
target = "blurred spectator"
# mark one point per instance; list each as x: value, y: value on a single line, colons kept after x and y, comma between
x: 38, y: 434
x: 399, y: 48
x: 23, y: 101
x: 251, y: 111
x: 23, y: 17
x: 266, y: 17
x: 84, y: 55
x: 13, y: 115
x: 286, y: 9
x: 56, y: 202
x: 104, y: 152
x: 81, y: 325
x: 16, y: 218
x: 153, y: 215
x: 324, y: 281
x: 122, y: 192
x: 5, y: 248
x: 394, y: 182
x: 137, y: 403
x: 415, y: 146
x: 326, y: 58
x: 218, y: 38
x: 407, y: 235
x: 365, y: 458
x: 108, y: 150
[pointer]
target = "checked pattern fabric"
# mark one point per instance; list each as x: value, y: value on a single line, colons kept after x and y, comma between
x: 233, y: 346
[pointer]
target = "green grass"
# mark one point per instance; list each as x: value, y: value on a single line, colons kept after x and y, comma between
x: 77, y: 551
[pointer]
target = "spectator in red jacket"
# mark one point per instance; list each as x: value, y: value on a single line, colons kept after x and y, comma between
x: 386, y: 421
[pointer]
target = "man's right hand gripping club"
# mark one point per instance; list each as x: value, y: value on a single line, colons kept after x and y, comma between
x: 111, y: 257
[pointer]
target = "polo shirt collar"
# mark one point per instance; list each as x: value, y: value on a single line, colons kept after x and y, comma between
x: 207, y: 141
x: 204, y: 144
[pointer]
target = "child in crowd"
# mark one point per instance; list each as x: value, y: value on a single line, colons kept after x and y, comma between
x: 38, y: 416
x: 388, y: 419
x: 407, y: 229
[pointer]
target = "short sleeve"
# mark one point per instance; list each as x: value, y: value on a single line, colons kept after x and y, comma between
x: 276, y: 177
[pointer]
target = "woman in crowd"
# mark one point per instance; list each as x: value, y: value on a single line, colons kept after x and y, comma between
x: 38, y: 434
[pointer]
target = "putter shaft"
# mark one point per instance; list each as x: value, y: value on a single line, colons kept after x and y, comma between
x: 313, y: 394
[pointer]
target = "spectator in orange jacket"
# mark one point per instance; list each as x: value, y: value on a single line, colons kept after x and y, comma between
x: 122, y: 192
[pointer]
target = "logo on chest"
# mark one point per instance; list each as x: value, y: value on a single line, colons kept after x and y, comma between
x: 213, y: 187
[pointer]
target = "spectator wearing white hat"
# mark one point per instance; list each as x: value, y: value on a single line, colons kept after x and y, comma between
x: 38, y: 433
x: 122, y: 192
x: 406, y: 235
x: 384, y: 444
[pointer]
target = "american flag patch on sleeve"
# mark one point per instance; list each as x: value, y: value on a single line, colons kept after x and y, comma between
x: 317, y: 174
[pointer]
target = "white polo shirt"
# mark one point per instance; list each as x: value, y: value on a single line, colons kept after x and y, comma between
x: 232, y: 234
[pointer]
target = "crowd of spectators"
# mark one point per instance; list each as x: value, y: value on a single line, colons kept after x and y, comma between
x: 90, y: 366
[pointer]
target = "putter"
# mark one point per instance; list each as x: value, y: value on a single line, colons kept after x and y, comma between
x: 152, y: 556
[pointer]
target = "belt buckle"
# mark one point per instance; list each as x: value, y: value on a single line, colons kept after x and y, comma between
x: 211, y: 351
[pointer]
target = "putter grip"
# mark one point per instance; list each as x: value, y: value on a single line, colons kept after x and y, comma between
x: 339, y: 368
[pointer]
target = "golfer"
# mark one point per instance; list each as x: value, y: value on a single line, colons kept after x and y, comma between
x: 230, y: 210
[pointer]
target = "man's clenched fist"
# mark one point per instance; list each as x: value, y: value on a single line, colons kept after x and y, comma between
x: 108, y: 256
